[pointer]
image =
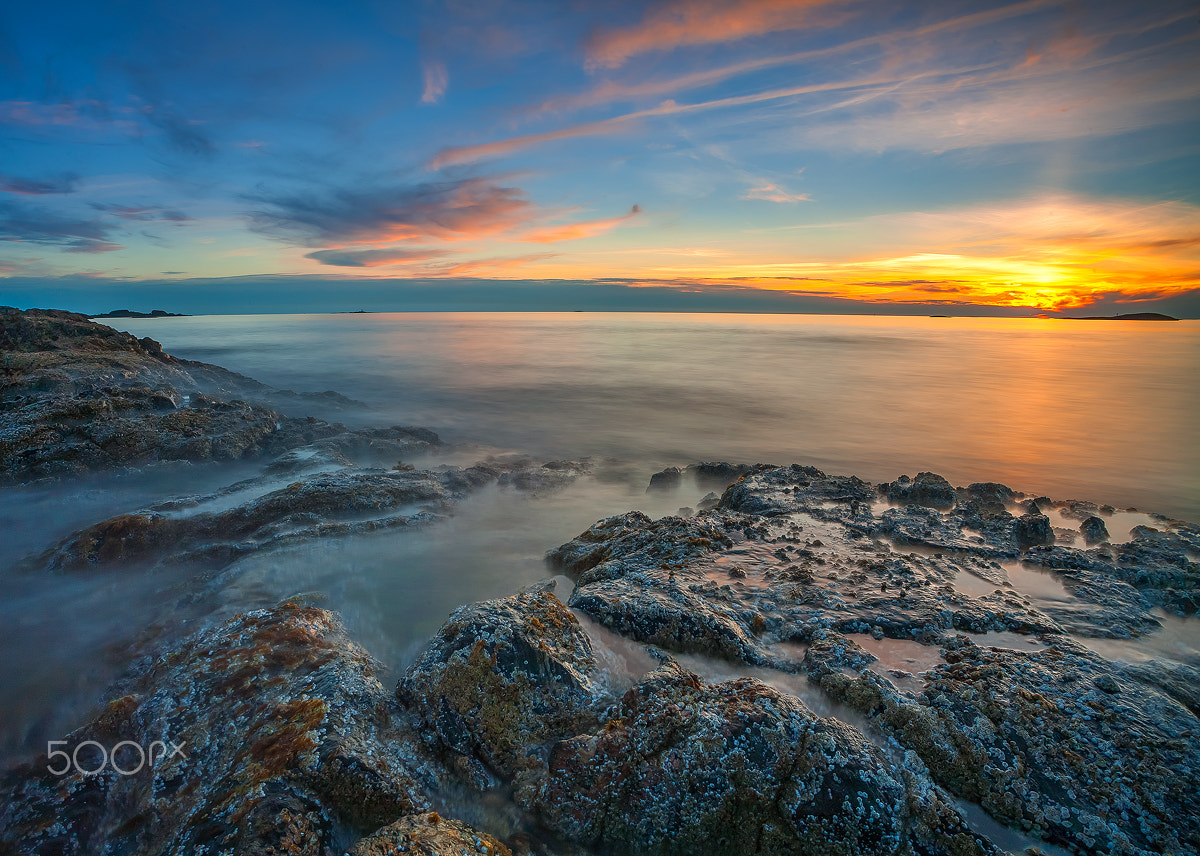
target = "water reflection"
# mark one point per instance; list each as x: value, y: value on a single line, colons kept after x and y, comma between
x: 1094, y: 410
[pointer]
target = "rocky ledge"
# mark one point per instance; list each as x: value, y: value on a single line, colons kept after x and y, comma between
x: 78, y: 397
x: 808, y: 664
x: 922, y: 700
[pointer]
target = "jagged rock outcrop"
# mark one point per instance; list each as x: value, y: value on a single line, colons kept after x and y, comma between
x: 78, y: 397
x: 284, y: 733
x: 686, y: 767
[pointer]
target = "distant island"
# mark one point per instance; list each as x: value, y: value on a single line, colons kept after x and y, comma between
x: 129, y: 313
x: 1132, y: 316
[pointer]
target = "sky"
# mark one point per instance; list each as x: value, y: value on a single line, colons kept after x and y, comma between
x: 714, y: 155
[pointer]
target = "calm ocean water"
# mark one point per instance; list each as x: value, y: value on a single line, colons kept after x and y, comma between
x: 1106, y: 411
x: 1101, y: 410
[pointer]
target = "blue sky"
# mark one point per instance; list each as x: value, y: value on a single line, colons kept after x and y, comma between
x: 871, y: 156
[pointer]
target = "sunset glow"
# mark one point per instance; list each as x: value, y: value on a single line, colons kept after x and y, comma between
x: 1036, y: 154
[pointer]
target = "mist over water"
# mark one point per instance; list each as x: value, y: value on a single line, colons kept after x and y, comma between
x: 1104, y: 411
x: 1098, y: 410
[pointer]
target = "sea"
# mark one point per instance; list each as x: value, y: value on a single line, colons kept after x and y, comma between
x: 1107, y: 411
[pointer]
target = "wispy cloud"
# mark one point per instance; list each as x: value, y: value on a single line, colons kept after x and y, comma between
x: 434, y: 79
x: 1013, y: 107
x: 582, y: 229
x: 23, y: 223
x: 610, y: 91
x: 373, y: 258
x: 87, y: 114
x: 474, y: 267
x: 142, y: 212
x: 773, y: 193
x: 67, y: 182
x: 467, y: 154
x: 679, y: 23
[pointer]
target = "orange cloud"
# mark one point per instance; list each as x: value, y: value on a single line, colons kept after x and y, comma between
x: 610, y: 91
x: 488, y: 265
x: 572, y: 231
x: 695, y: 22
x: 1051, y: 251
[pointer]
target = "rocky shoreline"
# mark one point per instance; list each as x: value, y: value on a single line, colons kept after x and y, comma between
x: 899, y: 680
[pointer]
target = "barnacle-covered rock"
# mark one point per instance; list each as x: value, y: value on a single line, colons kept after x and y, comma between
x: 271, y: 732
x: 427, y: 834
x: 501, y: 680
x: 1050, y: 741
x: 686, y: 767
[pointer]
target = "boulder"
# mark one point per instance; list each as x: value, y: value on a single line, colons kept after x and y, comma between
x: 927, y: 489
x: 499, y: 681
x: 1093, y: 529
x: 668, y: 479
x: 991, y: 497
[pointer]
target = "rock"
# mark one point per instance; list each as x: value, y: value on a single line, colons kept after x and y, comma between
x: 1037, y: 740
x: 428, y: 835
x: 686, y: 767
x: 1107, y: 683
x: 636, y: 536
x: 991, y: 497
x: 547, y: 478
x: 708, y: 502
x: 927, y: 489
x: 1093, y: 529
x: 500, y: 680
x: 1033, y: 529
x: 668, y: 479
x: 720, y: 473
x: 284, y: 734
x: 79, y: 397
x: 320, y: 504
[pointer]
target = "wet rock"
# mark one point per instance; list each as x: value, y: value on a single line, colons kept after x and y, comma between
x: 1032, y: 529
x: 1038, y: 736
x: 720, y: 473
x: 990, y: 497
x: 547, y: 478
x: 927, y: 489
x: 668, y: 479
x: 79, y: 397
x: 1095, y: 531
x: 671, y: 617
x: 319, y: 504
x: 634, y: 539
x: 1038, y: 741
x: 500, y: 680
x: 708, y: 502
x: 283, y: 732
x: 779, y: 490
x: 428, y: 835
x: 686, y: 767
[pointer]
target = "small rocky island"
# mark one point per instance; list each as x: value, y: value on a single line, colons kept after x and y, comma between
x: 130, y: 313
x: 893, y: 688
